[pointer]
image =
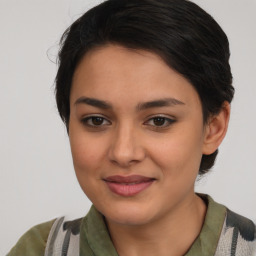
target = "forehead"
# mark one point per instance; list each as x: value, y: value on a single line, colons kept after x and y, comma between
x: 116, y: 73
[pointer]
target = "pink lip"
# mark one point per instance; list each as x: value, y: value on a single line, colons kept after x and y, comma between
x: 128, y: 185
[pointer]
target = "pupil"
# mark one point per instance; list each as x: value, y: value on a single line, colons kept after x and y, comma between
x: 158, y: 121
x: 97, y: 120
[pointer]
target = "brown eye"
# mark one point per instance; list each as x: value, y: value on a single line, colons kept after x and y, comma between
x: 159, y: 121
x: 95, y: 121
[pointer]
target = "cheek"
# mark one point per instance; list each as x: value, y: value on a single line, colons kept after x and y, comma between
x: 88, y: 156
x: 180, y: 154
x: 87, y: 152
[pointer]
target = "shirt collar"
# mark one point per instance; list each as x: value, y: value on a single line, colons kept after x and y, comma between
x: 207, y: 241
x: 94, y: 233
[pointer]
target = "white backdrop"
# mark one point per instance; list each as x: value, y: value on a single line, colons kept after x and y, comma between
x: 37, y: 181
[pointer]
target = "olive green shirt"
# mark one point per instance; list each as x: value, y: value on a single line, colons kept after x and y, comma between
x: 95, y: 239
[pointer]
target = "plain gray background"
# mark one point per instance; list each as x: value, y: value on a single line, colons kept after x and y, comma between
x: 37, y: 181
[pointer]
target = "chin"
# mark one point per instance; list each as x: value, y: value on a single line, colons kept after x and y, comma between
x: 128, y: 215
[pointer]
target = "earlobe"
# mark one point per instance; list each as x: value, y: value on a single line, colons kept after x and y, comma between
x: 216, y: 129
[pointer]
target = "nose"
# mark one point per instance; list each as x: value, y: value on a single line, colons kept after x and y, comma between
x: 126, y: 147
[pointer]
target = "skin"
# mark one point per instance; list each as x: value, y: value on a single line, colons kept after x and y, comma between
x: 127, y: 140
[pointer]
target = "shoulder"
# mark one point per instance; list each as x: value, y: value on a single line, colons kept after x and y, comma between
x: 46, y: 238
x: 226, y: 232
x: 241, y: 224
x: 33, y: 242
x: 238, y: 236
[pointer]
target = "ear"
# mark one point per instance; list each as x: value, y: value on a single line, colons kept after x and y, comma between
x: 216, y: 129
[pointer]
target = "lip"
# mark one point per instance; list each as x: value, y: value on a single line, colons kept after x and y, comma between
x: 128, y: 185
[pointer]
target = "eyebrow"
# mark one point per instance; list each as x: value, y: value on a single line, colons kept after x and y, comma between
x: 165, y: 102
x: 94, y: 102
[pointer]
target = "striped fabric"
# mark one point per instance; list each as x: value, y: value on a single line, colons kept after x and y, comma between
x: 238, y: 237
x: 63, y: 239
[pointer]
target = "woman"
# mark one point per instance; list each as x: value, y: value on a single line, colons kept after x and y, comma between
x: 144, y: 88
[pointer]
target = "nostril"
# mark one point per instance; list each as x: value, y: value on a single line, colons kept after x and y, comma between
x: 123, y: 163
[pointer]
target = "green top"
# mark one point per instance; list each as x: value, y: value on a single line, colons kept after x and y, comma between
x: 33, y: 242
x: 95, y: 239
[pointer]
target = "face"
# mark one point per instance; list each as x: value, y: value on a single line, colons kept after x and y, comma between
x: 136, y: 133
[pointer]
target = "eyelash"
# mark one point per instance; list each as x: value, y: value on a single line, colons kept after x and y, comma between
x: 167, y: 122
x: 87, y: 121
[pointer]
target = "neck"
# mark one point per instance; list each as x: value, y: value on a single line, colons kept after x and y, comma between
x: 172, y: 234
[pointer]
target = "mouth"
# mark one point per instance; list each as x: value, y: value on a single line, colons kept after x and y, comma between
x: 128, y: 185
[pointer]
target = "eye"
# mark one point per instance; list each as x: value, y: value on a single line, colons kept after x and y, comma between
x: 95, y: 121
x: 160, y: 121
